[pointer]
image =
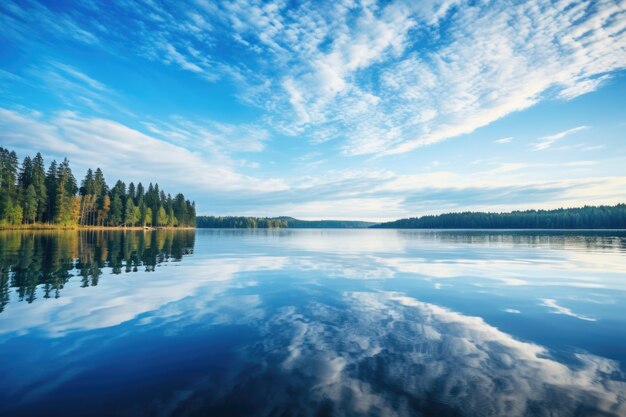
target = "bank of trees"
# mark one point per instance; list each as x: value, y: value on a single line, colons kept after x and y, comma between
x: 588, y: 217
x: 31, y: 194
x: 240, y: 222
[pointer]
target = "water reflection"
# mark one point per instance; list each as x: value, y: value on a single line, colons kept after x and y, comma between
x: 47, y: 260
x: 388, y: 354
x: 597, y: 240
x: 328, y: 323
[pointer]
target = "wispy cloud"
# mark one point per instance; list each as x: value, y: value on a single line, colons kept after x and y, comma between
x: 70, y: 87
x: 26, y: 20
x: 210, y: 135
x: 382, y: 77
x: 97, y: 85
x: 547, y: 141
x: 558, y: 309
x: 504, y: 140
x: 124, y: 152
x: 496, y: 61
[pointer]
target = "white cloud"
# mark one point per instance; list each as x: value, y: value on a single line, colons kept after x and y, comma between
x: 19, y: 21
x: 547, y: 141
x: 504, y: 140
x: 557, y: 309
x: 94, y: 84
x: 505, y: 59
x: 382, y: 77
x: 73, y: 88
x: 124, y: 152
x: 174, y: 56
x: 211, y: 136
x: 496, y: 60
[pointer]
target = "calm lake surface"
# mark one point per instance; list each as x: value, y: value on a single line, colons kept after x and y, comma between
x: 313, y: 323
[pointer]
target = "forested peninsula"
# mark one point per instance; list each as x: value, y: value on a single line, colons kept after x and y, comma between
x: 588, y: 217
x: 31, y: 197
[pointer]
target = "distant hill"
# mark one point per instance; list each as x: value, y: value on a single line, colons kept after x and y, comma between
x: 241, y: 222
x: 325, y: 224
x: 588, y: 217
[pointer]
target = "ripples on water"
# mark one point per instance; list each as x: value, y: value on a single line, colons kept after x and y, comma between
x: 313, y: 322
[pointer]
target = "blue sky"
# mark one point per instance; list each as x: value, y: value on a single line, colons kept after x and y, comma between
x: 339, y: 109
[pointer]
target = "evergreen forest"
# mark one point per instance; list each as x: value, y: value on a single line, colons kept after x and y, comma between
x: 588, y: 217
x: 30, y: 194
x: 241, y: 222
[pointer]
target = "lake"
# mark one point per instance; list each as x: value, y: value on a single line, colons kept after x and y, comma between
x: 313, y: 323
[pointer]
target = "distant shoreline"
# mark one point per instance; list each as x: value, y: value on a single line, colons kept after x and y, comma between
x: 578, y: 218
x: 587, y: 217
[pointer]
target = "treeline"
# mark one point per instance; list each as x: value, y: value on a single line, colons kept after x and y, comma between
x: 326, y: 224
x: 588, y: 217
x: 234, y: 222
x: 239, y: 222
x: 29, y: 194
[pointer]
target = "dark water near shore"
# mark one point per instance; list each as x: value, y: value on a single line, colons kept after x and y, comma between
x: 313, y: 323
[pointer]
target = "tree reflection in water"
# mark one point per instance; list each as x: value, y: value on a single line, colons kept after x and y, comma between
x: 48, y: 260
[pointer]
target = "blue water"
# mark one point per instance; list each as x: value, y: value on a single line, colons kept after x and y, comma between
x: 313, y: 323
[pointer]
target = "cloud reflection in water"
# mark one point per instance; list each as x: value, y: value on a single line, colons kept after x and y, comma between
x: 388, y: 354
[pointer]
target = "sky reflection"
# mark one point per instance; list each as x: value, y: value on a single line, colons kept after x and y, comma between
x: 331, y: 323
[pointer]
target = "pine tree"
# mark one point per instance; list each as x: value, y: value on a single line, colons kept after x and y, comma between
x: 147, y: 221
x: 115, y: 217
x: 25, y: 177
x: 140, y: 194
x: 131, y: 192
x: 88, y: 200
x: 120, y: 188
x: 66, y: 189
x: 162, y: 217
x: 171, y: 219
x: 8, y: 179
x: 30, y: 204
x: 180, y: 209
x: 14, y: 214
x: 39, y: 182
x: 100, y: 186
x: 191, y: 214
x: 51, y: 189
x: 130, y: 213
x: 104, y: 211
x: 142, y: 213
x: 136, y: 215
x: 101, y: 192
